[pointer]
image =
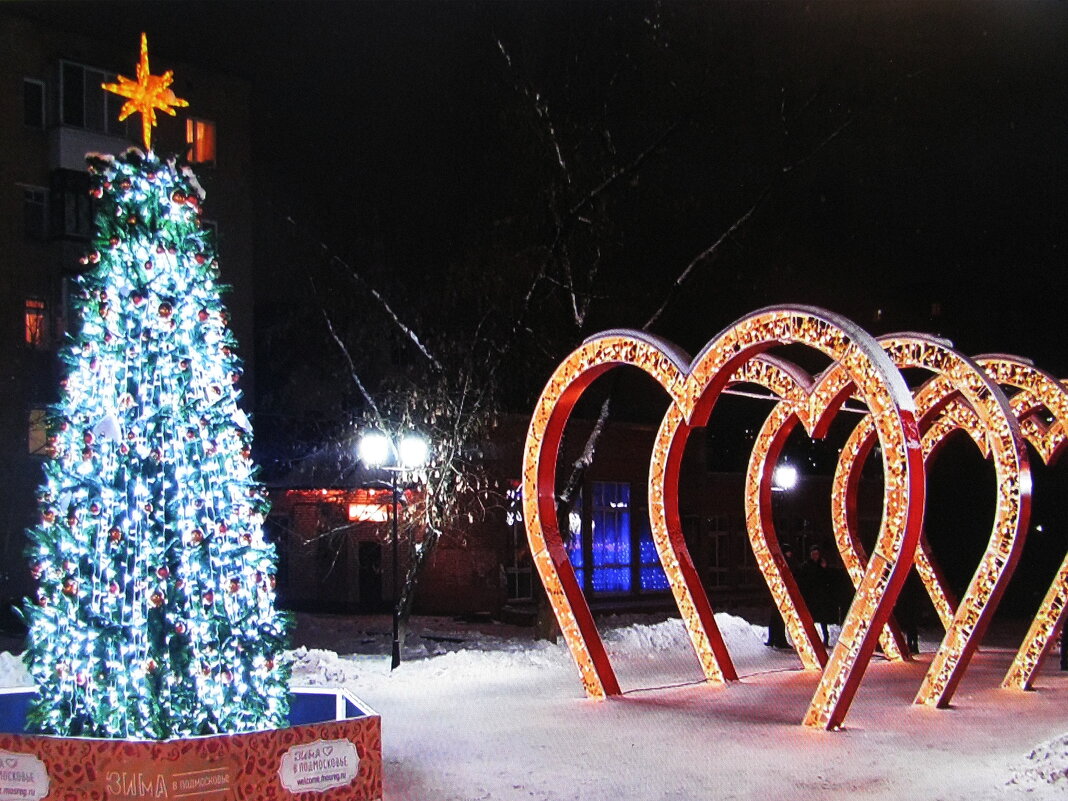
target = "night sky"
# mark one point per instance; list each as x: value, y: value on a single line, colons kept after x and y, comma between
x: 914, y: 156
x: 905, y: 164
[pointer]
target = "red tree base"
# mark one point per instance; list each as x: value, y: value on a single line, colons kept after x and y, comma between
x: 338, y: 758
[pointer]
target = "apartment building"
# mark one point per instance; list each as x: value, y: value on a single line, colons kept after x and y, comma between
x: 54, y: 111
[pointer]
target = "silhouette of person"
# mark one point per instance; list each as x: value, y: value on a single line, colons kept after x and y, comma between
x: 1064, y: 645
x: 814, y: 581
x: 776, y: 625
x: 907, y: 611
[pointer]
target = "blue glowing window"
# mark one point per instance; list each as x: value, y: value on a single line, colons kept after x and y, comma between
x: 650, y: 573
x: 574, y: 542
x: 610, y: 523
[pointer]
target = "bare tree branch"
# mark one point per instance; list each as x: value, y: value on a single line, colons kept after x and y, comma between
x: 708, y: 255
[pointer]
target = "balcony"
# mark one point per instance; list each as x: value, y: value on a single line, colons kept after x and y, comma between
x: 68, y: 145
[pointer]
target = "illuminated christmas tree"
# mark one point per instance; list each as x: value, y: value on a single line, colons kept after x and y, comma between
x: 155, y: 614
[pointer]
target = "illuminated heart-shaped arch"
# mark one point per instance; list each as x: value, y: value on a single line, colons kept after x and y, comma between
x: 794, y: 387
x: 693, y: 389
x: 1038, y: 392
x: 991, y: 422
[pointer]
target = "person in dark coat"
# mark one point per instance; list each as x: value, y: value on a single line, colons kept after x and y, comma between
x: 814, y: 581
x: 776, y: 625
x: 907, y: 611
x: 1064, y: 646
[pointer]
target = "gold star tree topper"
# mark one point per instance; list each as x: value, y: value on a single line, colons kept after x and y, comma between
x: 148, y: 93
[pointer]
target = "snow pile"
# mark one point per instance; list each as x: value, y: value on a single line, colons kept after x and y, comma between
x: 13, y: 672
x: 1046, y: 765
x: 627, y: 635
x: 319, y: 668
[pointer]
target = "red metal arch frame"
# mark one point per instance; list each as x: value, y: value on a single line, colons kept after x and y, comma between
x: 693, y: 388
x: 1037, y: 392
x: 960, y: 394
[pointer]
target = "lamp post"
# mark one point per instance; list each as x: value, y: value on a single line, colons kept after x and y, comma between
x: 783, y: 479
x: 395, y: 456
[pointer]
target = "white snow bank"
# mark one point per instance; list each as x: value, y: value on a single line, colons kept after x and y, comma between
x: 13, y: 672
x: 1046, y: 765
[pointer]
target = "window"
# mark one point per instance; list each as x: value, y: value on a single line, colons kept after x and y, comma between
x: 35, y: 212
x: 73, y: 209
x: 576, y: 550
x: 85, y: 104
x: 36, y: 323
x: 200, y: 138
x: 651, y: 576
x: 33, y: 103
x: 610, y: 529
x: 37, y: 438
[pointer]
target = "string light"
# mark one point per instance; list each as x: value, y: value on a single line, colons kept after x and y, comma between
x: 155, y: 610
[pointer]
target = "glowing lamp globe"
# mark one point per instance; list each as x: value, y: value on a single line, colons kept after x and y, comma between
x: 413, y: 451
x: 374, y: 448
x: 785, y: 477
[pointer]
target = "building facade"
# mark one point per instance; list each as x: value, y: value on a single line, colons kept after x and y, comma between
x: 54, y: 111
x: 333, y: 529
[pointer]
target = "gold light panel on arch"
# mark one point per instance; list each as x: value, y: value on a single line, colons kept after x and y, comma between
x: 958, y: 397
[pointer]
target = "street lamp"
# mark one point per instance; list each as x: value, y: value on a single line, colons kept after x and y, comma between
x: 784, y: 478
x: 394, y: 455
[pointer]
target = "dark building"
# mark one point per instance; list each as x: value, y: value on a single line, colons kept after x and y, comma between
x: 54, y: 112
x: 334, y: 535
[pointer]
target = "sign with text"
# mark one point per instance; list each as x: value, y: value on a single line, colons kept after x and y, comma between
x: 131, y: 778
x: 319, y: 766
x: 22, y: 777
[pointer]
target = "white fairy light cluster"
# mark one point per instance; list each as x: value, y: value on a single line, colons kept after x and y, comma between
x: 154, y: 616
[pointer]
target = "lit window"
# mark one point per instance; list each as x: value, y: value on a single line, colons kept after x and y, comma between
x: 610, y: 521
x: 36, y: 323
x: 200, y: 139
x: 37, y: 437
x: 368, y: 512
x: 34, y: 212
x: 33, y: 103
x: 651, y: 575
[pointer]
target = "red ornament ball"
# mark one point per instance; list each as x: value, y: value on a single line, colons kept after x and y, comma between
x: 157, y: 599
x: 165, y: 310
x: 115, y: 534
x: 163, y: 572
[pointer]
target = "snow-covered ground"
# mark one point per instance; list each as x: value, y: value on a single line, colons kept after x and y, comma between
x: 483, y: 711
